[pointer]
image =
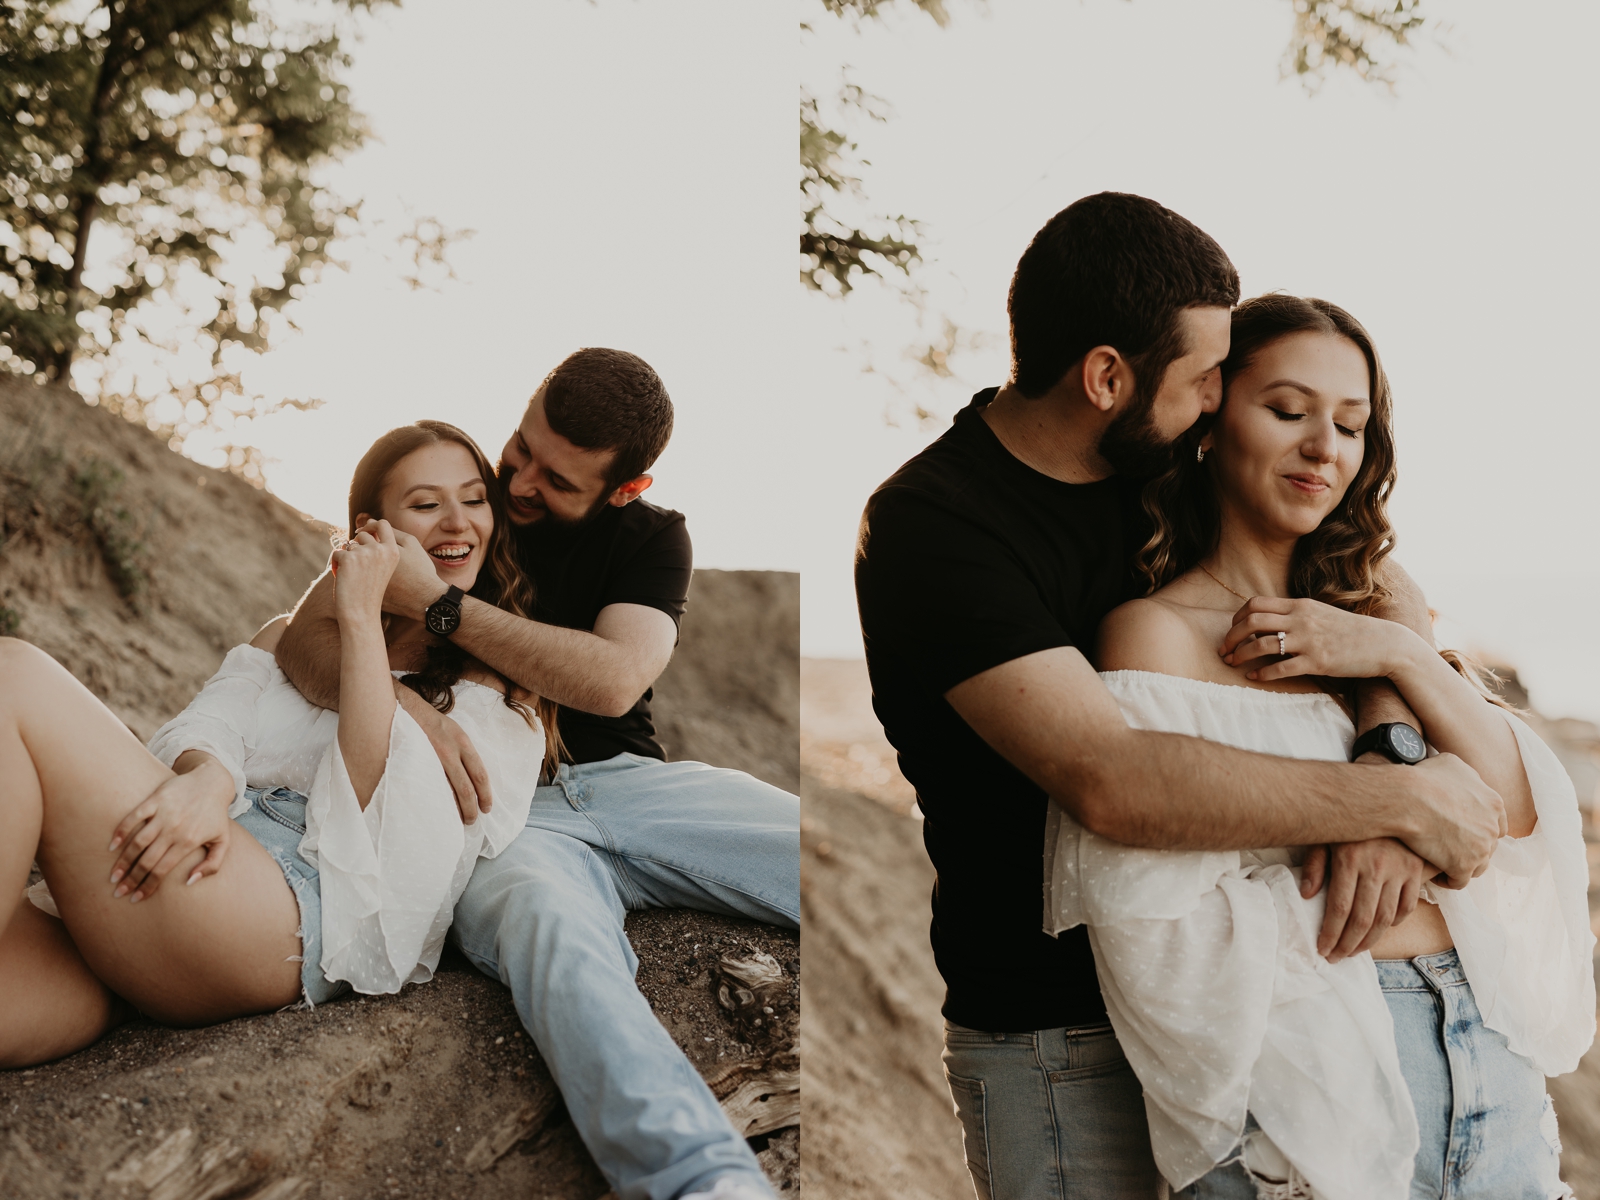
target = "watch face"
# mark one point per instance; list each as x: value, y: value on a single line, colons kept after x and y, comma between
x: 1406, y: 743
x: 442, y: 619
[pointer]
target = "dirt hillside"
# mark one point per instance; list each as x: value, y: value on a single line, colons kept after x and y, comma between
x: 877, y: 1114
x: 138, y: 569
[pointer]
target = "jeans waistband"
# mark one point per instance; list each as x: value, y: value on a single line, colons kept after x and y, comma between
x: 1071, y: 1031
x: 1431, y: 971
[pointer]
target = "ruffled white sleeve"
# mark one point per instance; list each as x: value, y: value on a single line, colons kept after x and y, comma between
x: 391, y: 874
x: 1522, y: 928
x: 221, y: 720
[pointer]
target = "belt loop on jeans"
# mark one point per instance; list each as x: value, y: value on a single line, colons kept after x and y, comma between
x: 1440, y: 970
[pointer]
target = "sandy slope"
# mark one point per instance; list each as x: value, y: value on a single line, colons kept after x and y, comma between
x: 875, y: 1109
x: 878, y: 1120
x: 434, y: 1092
x: 876, y: 1112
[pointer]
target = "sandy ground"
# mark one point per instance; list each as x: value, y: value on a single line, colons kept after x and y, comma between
x: 877, y: 1116
x: 874, y: 1105
x: 436, y: 1091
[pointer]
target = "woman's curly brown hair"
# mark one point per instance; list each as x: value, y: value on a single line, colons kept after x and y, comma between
x: 502, y: 581
x: 1337, y: 562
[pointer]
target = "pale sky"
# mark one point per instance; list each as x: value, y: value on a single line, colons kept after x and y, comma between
x: 629, y: 170
x: 1456, y: 220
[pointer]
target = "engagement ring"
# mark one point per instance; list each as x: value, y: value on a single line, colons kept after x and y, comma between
x: 1281, y: 650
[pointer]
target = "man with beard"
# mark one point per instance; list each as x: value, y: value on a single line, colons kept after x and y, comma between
x: 983, y: 568
x: 619, y: 827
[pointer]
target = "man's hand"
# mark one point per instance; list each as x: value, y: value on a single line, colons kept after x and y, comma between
x: 1462, y: 819
x: 415, y: 583
x: 1372, y: 885
x: 469, y: 779
x: 188, y: 811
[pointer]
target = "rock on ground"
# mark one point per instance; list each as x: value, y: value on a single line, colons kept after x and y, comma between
x: 731, y: 695
x: 138, y: 570
x: 435, y: 1092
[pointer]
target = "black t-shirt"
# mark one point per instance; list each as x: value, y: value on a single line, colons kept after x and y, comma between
x: 968, y: 559
x: 636, y: 554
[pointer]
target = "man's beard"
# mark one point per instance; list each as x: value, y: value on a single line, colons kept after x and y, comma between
x: 1132, y: 444
x: 550, y: 522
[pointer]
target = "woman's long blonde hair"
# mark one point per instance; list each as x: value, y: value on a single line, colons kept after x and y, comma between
x: 501, y: 582
x: 1337, y: 562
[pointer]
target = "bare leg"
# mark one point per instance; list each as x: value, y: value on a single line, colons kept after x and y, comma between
x: 52, y: 1002
x: 69, y: 772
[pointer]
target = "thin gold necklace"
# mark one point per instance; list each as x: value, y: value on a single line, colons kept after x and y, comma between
x: 1224, y: 586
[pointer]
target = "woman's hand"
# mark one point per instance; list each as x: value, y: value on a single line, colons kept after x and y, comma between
x: 1372, y: 886
x: 1319, y: 639
x: 361, y: 571
x: 188, y: 811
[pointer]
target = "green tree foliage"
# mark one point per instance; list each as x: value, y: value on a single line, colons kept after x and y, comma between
x: 181, y: 141
x: 836, y: 252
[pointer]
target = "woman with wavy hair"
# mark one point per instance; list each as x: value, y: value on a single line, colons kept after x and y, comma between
x: 1273, y: 1064
x: 345, y: 851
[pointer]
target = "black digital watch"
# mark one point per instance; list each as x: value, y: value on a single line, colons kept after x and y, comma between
x: 443, y: 616
x: 1396, y: 741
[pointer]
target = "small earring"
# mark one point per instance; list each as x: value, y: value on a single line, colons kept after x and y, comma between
x: 1199, y: 454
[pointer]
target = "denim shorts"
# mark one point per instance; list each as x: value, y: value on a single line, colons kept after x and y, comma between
x: 1488, y: 1128
x: 277, y: 819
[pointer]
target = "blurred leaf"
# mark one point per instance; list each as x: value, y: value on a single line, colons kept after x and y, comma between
x: 1358, y: 35
x: 833, y: 250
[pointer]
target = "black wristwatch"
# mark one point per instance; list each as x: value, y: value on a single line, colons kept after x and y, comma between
x: 444, y: 614
x: 1397, y: 742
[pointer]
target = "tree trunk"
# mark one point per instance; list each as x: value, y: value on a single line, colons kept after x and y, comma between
x: 88, y: 209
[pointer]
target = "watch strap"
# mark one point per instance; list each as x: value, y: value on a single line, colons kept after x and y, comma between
x: 1377, y: 738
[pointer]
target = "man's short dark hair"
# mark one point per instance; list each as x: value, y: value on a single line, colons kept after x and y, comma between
x: 610, y: 400
x: 1111, y: 270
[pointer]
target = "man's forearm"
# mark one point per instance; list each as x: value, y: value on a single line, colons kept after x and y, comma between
x: 308, y: 651
x: 1049, y: 715
x: 1146, y: 793
x: 1379, y: 702
x: 573, y: 667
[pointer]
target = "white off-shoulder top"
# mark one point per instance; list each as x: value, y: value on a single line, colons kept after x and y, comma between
x: 390, y: 874
x: 1209, y: 969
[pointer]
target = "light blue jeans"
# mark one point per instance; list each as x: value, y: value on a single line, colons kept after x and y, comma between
x: 545, y: 918
x: 1055, y: 1114
x: 1488, y: 1129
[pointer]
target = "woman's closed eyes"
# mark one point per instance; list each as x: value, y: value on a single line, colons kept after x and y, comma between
x: 1284, y: 415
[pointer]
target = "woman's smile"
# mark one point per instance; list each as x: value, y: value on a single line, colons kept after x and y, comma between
x: 451, y: 555
x: 1311, y: 485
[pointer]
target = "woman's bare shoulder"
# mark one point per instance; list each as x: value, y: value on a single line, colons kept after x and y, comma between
x: 1152, y: 634
x: 270, y: 634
